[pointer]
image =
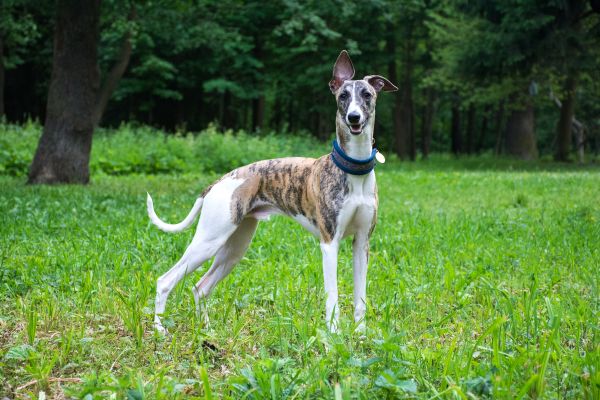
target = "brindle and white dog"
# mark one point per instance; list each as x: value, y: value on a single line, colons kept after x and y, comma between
x: 332, y: 197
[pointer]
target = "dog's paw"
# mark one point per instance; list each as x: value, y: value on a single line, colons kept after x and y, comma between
x: 361, y: 328
x: 160, y: 329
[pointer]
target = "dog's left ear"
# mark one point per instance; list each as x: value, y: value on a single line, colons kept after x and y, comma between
x: 343, y: 70
x: 379, y: 83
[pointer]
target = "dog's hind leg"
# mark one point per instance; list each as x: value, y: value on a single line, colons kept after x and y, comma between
x: 226, y: 258
x: 195, y: 255
x: 209, y: 238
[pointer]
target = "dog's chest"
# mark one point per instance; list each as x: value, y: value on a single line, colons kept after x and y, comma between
x: 358, y: 210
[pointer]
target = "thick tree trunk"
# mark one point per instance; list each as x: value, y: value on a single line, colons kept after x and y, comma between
x: 427, y: 123
x: 470, y: 129
x: 564, y: 128
x: 1, y: 77
x: 455, y: 134
x: 114, y: 75
x: 520, y: 133
x: 63, y: 152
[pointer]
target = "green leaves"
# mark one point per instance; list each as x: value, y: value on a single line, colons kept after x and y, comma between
x: 391, y: 381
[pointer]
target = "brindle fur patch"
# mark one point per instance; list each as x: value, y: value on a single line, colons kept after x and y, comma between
x: 313, y: 188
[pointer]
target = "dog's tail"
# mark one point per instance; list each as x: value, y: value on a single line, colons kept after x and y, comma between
x: 163, y: 226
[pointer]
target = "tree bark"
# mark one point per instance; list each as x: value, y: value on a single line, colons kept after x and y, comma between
x: 258, y: 112
x: 499, y: 119
x: 390, y: 47
x: 114, y: 75
x: 470, y: 128
x: 403, y: 106
x: 1, y: 77
x: 227, y: 121
x: 427, y: 123
x: 483, y: 130
x: 564, y: 132
x: 63, y: 152
x: 455, y: 134
x: 520, y: 133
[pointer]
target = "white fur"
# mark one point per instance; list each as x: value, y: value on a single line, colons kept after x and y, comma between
x: 163, y: 226
x: 354, y: 107
x: 215, y: 229
x: 302, y: 220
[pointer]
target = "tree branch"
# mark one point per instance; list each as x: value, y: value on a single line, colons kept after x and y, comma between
x: 115, y: 74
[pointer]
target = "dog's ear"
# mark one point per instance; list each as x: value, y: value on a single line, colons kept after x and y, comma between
x: 379, y: 83
x: 343, y: 70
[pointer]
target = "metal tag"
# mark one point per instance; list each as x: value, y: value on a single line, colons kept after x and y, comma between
x: 380, y: 158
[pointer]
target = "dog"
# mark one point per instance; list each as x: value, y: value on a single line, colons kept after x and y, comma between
x: 333, y: 197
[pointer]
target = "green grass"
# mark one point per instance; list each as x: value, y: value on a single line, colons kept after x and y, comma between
x: 481, y: 284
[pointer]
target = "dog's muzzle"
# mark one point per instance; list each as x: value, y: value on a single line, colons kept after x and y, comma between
x: 354, y: 123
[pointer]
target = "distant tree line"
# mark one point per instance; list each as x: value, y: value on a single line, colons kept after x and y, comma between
x: 509, y: 76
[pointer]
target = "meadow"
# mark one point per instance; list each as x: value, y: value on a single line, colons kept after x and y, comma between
x: 483, y: 282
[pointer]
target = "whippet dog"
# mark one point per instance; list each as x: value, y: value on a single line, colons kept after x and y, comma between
x: 333, y: 197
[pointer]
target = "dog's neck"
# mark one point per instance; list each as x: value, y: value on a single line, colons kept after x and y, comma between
x: 356, y: 146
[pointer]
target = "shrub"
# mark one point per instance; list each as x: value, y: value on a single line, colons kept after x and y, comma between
x: 145, y: 150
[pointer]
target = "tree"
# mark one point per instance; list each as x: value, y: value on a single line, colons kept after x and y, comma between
x: 64, y: 149
x: 120, y: 30
x: 574, y: 45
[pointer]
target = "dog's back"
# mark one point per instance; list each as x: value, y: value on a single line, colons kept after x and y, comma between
x: 307, y: 189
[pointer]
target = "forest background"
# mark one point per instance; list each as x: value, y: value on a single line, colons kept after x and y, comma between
x: 513, y: 77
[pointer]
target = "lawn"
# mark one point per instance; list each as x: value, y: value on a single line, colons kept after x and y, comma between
x: 483, y: 282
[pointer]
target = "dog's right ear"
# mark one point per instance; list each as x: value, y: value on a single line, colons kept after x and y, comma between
x: 343, y: 70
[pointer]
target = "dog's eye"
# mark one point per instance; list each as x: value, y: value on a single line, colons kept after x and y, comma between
x: 367, y: 95
x: 344, y: 96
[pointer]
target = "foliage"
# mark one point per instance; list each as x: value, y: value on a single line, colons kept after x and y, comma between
x: 257, y: 65
x: 483, y: 283
x: 17, y: 30
x: 144, y: 150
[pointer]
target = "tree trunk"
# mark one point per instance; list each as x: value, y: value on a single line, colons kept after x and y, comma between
x: 227, y: 121
x: 470, y: 129
x: 403, y: 107
x: 484, y: 127
x: 258, y: 112
x: 455, y: 134
x: 520, y: 133
x: 564, y: 132
x: 499, y: 120
x: 1, y: 77
x: 390, y: 46
x: 427, y: 123
x: 115, y: 74
x: 276, y: 115
x: 63, y: 152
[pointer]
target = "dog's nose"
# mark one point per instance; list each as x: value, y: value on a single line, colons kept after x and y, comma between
x: 353, y: 117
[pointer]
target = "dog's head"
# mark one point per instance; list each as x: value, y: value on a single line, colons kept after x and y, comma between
x: 355, y: 98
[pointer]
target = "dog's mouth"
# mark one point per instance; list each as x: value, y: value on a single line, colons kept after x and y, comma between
x: 355, y: 129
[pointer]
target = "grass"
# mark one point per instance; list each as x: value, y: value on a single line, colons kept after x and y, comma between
x: 483, y: 283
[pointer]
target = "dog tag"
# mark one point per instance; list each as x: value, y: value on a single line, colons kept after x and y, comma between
x: 380, y: 158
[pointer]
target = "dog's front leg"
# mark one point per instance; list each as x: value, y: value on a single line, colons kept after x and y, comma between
x: 330, y: 255
x: 360, y: 260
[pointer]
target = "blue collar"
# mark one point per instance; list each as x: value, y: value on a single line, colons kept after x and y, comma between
x: 351, y: 165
